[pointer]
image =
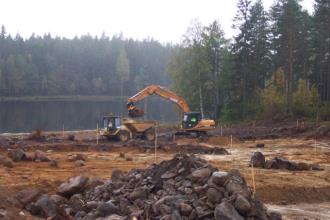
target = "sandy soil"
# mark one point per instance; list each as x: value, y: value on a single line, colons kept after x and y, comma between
x: 296, y: 194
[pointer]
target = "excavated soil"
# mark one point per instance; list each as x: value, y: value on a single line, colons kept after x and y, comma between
x: 289, y: 192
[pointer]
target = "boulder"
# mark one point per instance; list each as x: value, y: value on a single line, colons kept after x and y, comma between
x: 44, y: 207
x: 316, y: 167
x: 214, y: 196
x: 72, y: 186
x: 219, y: 178
x: 59, y: 200
x: 139, y: 193
x: 226, y: 211
x: 302, y: 166
x: 16, y: 154
x: 258, y: 160
x: 27, y: 196
x: 242, y: 204
x: 105, y: 209
x: 79, y: 163
x: 237, y: 185
x: 41, y: 156
x: 185, y: 209
x: 76, y: 203
x: 8, y: 163
x: 200, y: 175
x: 29, y: 156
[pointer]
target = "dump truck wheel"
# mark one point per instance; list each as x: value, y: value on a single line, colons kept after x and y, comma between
x: 123, y: 136
x: 149, y: 135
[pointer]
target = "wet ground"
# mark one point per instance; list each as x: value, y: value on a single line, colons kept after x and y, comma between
x: 296, y: 194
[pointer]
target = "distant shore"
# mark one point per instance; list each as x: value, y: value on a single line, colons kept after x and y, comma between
x: 63, y: 98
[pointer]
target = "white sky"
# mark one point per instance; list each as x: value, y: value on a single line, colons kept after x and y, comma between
x: 163, y: 20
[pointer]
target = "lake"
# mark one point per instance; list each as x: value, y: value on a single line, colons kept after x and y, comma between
x: 49, y: 115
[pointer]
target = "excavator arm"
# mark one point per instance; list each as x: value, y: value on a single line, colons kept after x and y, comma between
x: 133, y: 111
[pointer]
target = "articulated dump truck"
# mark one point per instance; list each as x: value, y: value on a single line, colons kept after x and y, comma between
x: 124, y: 129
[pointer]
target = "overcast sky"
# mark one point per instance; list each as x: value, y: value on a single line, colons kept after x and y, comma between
x: 163, y: 20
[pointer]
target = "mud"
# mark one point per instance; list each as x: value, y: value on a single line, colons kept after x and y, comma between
x: 283, y: 190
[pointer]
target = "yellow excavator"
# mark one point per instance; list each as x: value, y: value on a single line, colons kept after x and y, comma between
x: 191, y: 122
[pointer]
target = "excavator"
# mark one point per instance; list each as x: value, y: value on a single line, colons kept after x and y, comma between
x: 192, y: 122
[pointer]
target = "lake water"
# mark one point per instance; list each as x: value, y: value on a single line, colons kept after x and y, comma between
x: 25, y: 116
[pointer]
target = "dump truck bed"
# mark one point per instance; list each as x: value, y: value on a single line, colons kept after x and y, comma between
x: 138, y: 126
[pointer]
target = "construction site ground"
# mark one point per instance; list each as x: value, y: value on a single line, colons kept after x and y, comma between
x: 296, y: 194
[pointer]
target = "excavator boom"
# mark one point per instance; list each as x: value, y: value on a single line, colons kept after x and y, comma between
x: 133, y: 111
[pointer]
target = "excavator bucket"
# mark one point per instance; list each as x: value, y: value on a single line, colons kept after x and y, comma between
x: 136, y: 112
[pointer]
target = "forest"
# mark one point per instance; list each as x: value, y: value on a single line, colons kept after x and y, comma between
x: 276, y: 66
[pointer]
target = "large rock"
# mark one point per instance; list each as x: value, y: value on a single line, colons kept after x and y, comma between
x: 8, y: 163
x: 76, y: 203
x: 105, y: 209
x: 242, y: 204
x: 139, y: 193
x: 185, y: 209
x: 16, y: 154
x: 59, y: 200
x: 214, y: 196
x: 258, y: 160
x: 219, y: 178
x: 225, y: 211
x: 27, y: 196
x: 44, y: 207
x: 200, y: 175
x: 72, y: 186
x: 280, y: 163
x: 237, y: 185
x: 41, y: 156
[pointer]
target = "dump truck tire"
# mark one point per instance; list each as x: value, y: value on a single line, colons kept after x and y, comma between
x: 149, y: 134
x: 123, y: 136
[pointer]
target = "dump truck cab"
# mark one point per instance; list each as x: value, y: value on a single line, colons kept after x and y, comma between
x: 112, y: 127
x: 111, y: 123
x: 124, y: 129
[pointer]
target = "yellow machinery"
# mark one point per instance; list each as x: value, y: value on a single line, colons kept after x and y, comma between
x: 125, y: 129
x: 191, y: 122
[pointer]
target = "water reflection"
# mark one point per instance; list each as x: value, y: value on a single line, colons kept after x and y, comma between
x: 24, y: 116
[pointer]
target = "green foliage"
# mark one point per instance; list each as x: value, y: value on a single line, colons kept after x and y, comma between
x: 273, y: 99
x: 80, y: 66
x: 302, y: 102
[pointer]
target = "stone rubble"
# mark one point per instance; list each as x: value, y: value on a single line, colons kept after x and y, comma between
x: 183, y: 188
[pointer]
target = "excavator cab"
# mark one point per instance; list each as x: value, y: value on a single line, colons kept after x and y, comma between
x: 191, y: 119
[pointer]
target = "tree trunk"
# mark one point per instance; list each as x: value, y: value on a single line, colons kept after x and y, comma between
x: 290, y: 72
x: 200, y: 95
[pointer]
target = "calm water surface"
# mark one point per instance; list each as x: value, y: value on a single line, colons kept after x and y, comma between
x: 25, y: 116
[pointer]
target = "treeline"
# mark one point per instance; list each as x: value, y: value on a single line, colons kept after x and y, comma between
x: 277, y: 65
x: 47, y: 66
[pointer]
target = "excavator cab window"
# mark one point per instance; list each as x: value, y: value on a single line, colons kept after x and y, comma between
x: 191, y: 119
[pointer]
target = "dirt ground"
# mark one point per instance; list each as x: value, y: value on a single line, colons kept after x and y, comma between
x: 296, y: 194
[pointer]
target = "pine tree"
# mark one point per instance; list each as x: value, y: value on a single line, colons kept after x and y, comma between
x: 321, y: 47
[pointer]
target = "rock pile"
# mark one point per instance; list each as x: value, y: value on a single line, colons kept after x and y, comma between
x: 19, y: 154
x: 258, y: 160
x: 185, y: 187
